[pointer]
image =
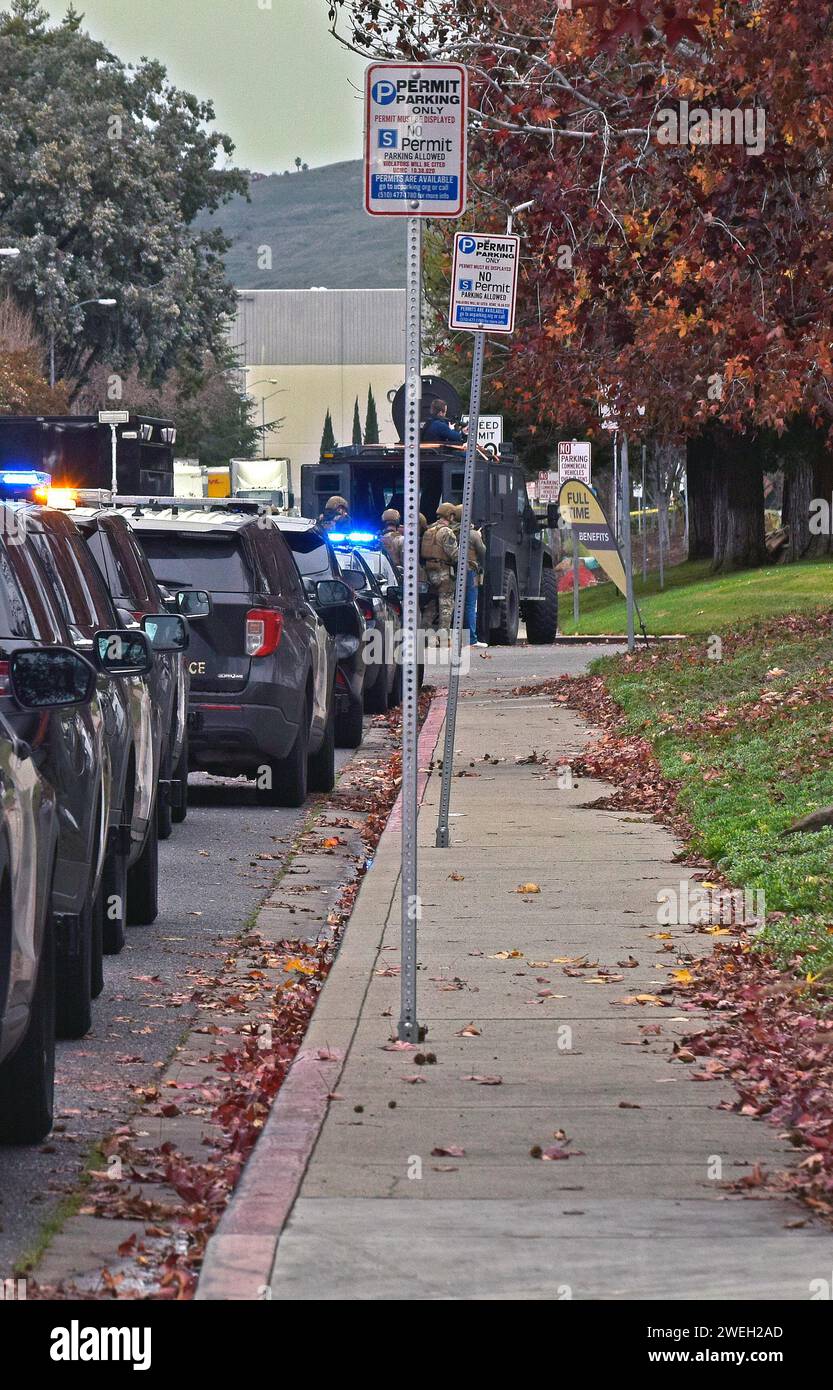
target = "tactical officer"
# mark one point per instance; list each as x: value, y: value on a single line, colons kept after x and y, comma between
x: 392, y: 540
x: 335, y: 515
x: 475, y: 564
x: 437, y: 430
x: 439, y: 553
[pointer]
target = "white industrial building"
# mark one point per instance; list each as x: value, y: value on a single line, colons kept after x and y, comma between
x: 309, y: 351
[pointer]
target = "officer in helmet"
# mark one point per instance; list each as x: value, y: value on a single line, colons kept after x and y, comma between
x: 392, y: 540
x: 336, y: 514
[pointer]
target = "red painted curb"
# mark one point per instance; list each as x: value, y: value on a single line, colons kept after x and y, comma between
x: 239, y: 1257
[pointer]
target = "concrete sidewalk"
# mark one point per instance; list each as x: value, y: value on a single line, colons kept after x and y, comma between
x: 636, y: 1211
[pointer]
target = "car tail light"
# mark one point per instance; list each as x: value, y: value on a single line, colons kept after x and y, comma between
x: 263, y: 631
x: 341, y: 679
x: 5, y: 682
x: 365, y: 608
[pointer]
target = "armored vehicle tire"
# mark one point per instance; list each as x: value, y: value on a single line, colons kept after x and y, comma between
x: 506, y: 632
x: 542, y: 618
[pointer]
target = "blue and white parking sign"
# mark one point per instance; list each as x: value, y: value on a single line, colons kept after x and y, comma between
x: 415, y: 139
x: 484, y: 282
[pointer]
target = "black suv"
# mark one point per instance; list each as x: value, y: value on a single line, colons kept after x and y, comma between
x: 137, y: 595
x: 81, y: 752
x: 260, y: 702
x: 316, y: 560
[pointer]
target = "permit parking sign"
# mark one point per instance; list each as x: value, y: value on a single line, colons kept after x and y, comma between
x: 415, y: 139
x: 484, y: 282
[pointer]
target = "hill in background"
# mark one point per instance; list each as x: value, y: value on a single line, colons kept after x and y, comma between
x: 318, y: 232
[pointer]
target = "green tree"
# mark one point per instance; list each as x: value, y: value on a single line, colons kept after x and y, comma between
x: 328, y: 439
x: 104, y: 169
x: 371, y: 421
x: 213, y: 417
x: 357, y: 425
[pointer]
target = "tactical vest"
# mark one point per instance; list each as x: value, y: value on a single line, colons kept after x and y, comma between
x: 432, y: 548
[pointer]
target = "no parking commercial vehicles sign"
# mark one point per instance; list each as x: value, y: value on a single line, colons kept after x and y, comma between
x: 484, y: 281
x: 415, y: 139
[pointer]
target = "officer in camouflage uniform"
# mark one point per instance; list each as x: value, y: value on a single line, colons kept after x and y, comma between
x: 336, y: 514
x: 392, y: 539
x: 439, y: 553
x: 475, y: 566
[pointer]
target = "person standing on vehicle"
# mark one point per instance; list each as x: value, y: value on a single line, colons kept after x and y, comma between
x: 439, y: 552
x: 475, y: 564
x: 392, y: 540
x: 437, y: 430
x: 336, y: 514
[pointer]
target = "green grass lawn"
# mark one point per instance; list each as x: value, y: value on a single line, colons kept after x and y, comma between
x: 696, y: 601
x: 748, y: 767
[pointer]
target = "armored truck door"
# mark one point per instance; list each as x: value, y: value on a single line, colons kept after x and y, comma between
x: 320, y: 481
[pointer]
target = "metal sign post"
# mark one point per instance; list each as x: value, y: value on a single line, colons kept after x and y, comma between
x: 114, y: 418
x: 574, y: 461
x: 408, y: 1026
x: 626, y: 534
x: 411, y: 171
x: 484, y: 282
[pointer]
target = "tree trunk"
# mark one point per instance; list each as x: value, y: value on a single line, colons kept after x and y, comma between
x: 738, y: 510
x: 700, y: 471
x: 795, y: 512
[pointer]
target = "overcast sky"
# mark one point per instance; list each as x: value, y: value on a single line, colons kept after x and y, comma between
x: 281, y: 86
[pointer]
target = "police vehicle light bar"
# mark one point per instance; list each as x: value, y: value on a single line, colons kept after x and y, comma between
x: 354, y: 537
x: 22, y: 482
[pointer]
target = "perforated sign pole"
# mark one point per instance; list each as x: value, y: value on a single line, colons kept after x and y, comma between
x: 442, y: 837
x: 484, y: 279
x: 408, y: 1027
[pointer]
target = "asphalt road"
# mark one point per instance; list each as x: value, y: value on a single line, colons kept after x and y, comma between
x: 209, y: 888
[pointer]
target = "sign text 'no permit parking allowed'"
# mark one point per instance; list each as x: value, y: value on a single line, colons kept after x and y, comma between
x: 484, y: 281
x: 415, y: 139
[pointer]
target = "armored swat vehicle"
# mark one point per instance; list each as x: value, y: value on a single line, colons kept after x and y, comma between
x: 522, y: 545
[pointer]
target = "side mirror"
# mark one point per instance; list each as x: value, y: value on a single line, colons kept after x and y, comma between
x: 355, y: 579
x: 51, y: 678
x: 168, y: 632
x: 552, y: 515
x: 329, y: 592
x: 122, y: 652
x: 194, y: 603
x: 393, y: 591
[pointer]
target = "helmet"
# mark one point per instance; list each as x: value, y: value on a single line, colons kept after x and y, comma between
x: 445, y: 511
x: 458, y: 513
x: 423, y: 522
x: 391, y: 515
x: 334, y: 504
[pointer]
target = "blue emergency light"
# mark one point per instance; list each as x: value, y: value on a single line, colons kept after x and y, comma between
x: 354, y: 537
x: 24, y: 483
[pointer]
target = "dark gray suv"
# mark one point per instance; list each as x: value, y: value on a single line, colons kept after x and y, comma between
x: 262, y: 667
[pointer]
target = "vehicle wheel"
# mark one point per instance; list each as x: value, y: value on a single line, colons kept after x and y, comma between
x: 97, y: 944
x: 114, y: 895
x: 179, y: 812
x: 321, y: 766
x: 376, y: 696
x: 73, y: 1000
x: 143, y: 881
x: 287, y: 781
x: 395, y: 697
x: 164, y: 818
x: 27, y: 1078
x: 349, y: 726
x: 542, y: 618
x: 510, y: 612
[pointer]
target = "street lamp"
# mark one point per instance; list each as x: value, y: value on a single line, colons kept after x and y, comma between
x: 105, y: 304
x: 265, y: 381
